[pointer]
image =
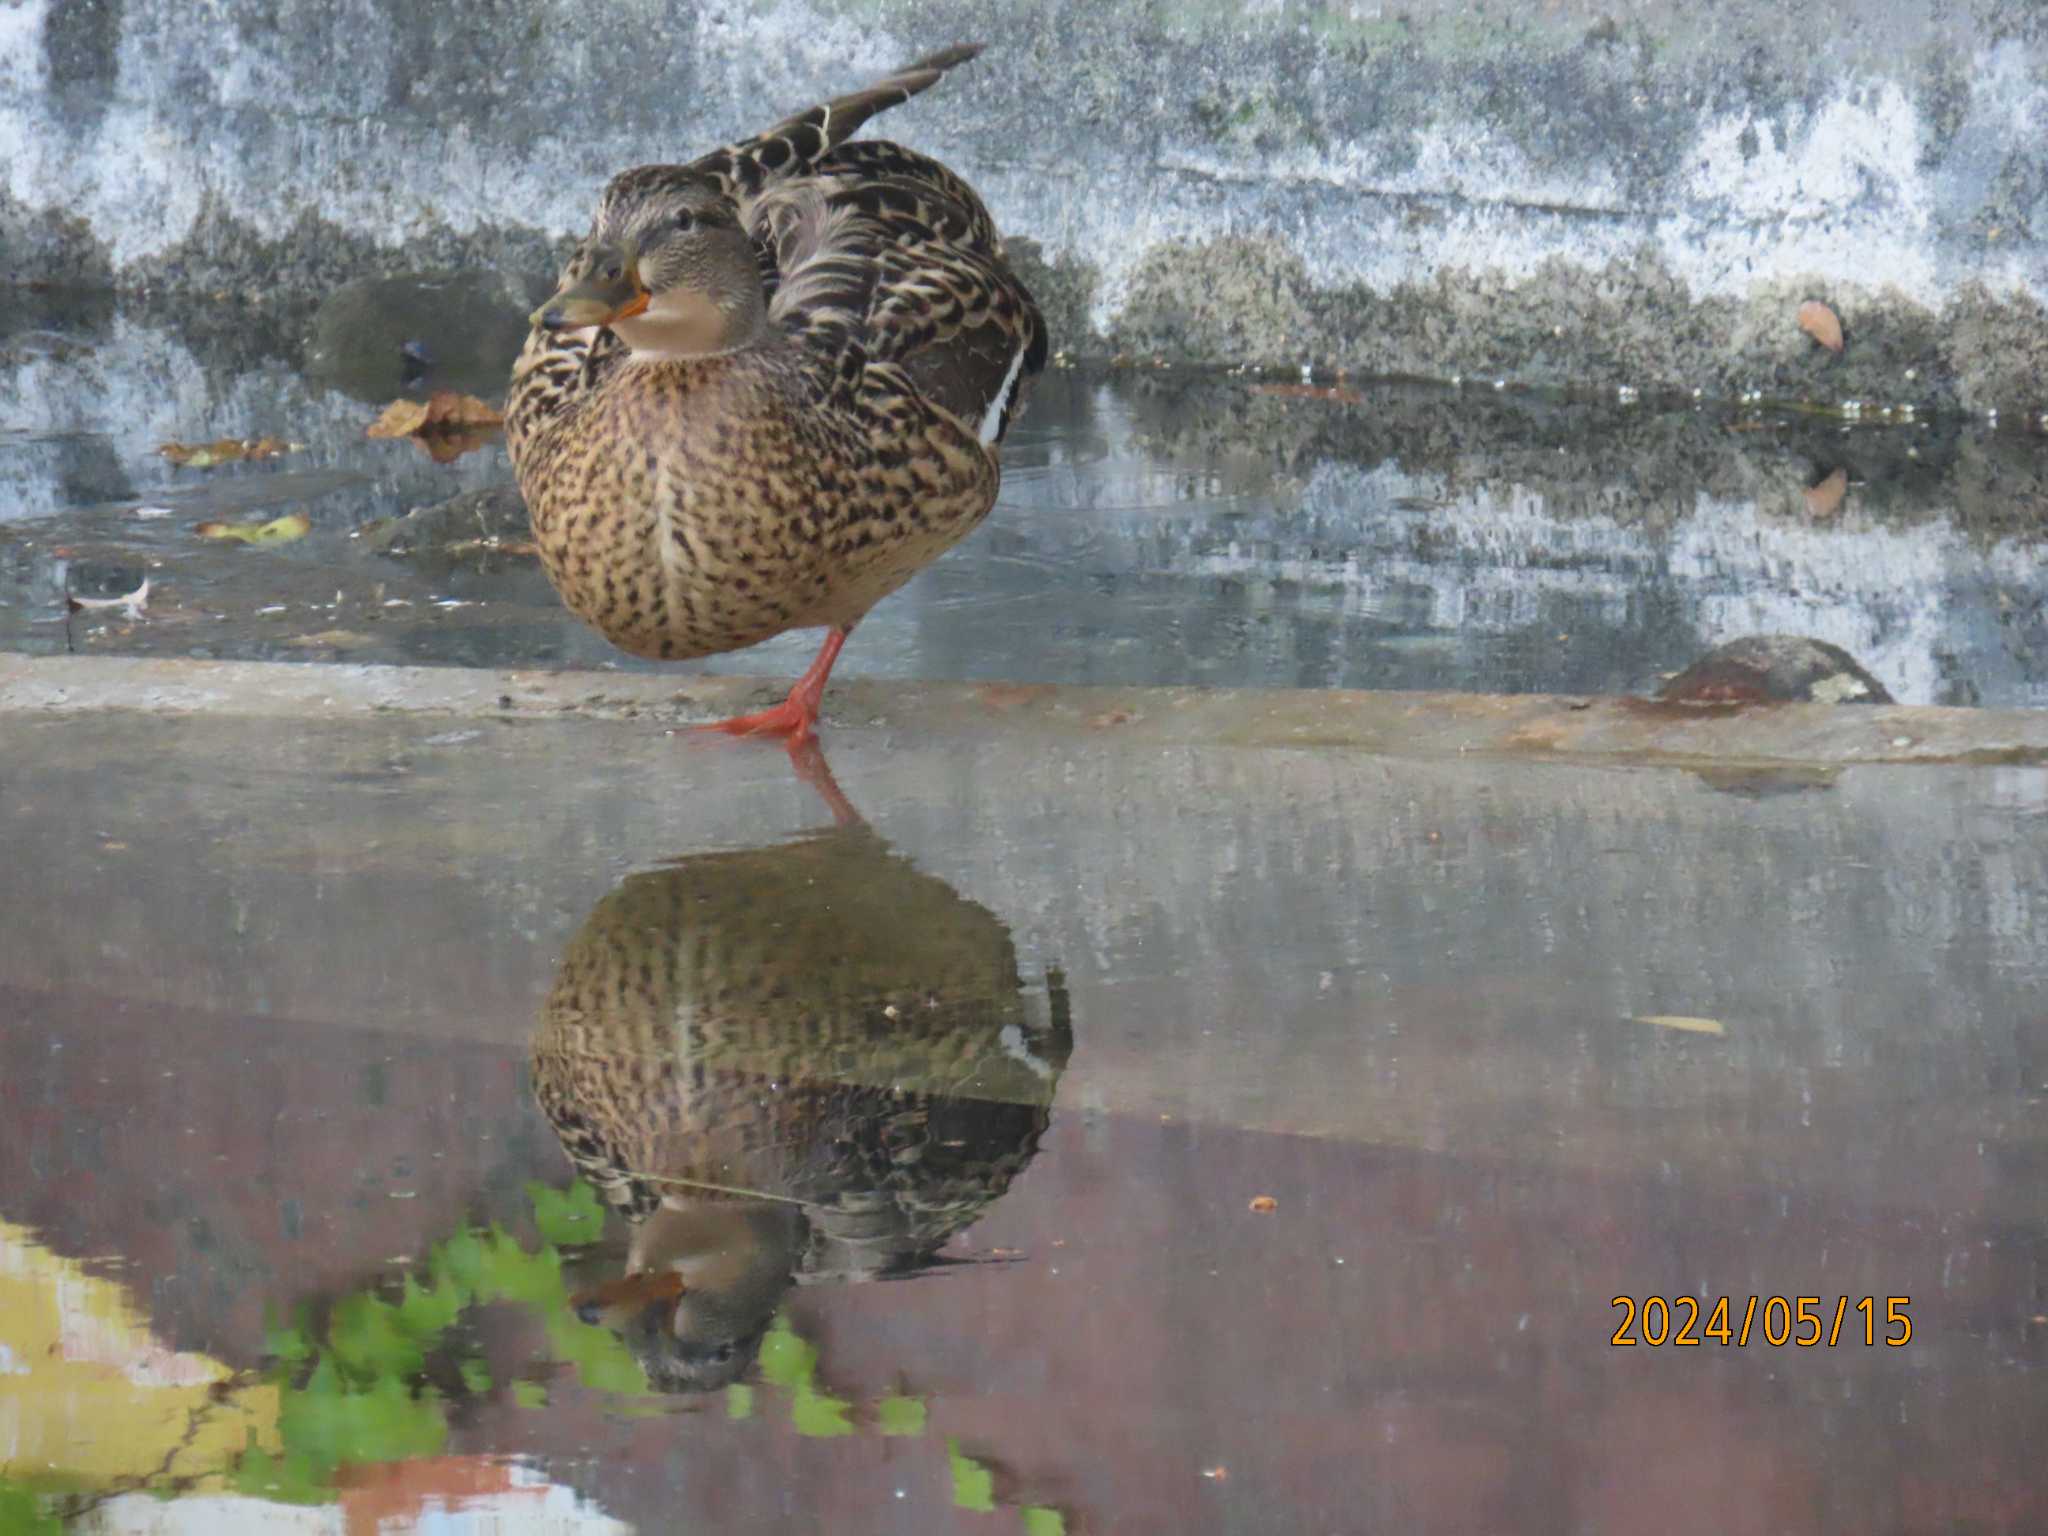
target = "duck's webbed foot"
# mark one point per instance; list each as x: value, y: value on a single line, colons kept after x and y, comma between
x: 795, y: 719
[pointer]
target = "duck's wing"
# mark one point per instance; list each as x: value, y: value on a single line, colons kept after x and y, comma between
x: 875, y: 254
x: 883, y: 257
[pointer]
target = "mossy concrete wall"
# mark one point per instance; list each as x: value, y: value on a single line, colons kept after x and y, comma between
x: 1601, y: 192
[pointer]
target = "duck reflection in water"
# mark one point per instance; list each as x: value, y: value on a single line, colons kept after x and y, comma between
x: 787, y: 1065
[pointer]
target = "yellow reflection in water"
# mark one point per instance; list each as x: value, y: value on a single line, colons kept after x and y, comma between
x: 88, y: 1397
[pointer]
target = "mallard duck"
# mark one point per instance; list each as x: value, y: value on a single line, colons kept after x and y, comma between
x: 791, y: 1064
x: 772, y: 386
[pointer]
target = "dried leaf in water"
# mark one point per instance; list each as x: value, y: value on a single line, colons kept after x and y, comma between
x: 1819, y: 322
x: 1825, y: 499
x: 446, y: 424
x: 279, y: 530
x: 226, y: 450
x: 443, y: 411
x: 1684, y: 1022
x: 401, y: 418
x: 445, y: 447
x: 1265, y: 1205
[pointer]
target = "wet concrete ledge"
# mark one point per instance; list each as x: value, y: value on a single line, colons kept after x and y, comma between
x: 1533, y: 726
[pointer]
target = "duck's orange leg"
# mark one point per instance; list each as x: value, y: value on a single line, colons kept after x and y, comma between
x: 808, y: 759
x: 795, y: 717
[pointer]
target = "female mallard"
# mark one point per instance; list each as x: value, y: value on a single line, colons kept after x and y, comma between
x: 803, y: 1063
x: 770, y: 389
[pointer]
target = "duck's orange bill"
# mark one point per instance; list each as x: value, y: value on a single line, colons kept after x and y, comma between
x: 650, y: 1285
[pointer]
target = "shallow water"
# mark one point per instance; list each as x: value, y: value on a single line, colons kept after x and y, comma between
x: 285, y: 1213
x: 1105, y: 1135
x: 1154, y: 528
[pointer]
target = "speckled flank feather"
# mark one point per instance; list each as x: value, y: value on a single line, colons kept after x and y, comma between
x: 696, y: 505
x: 816, y: 1022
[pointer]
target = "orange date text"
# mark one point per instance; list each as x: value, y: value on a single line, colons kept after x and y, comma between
x: 1739, y: 1321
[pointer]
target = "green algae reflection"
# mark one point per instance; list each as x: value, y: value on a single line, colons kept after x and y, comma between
x: 360, y: 1387
x: 354, y: 1393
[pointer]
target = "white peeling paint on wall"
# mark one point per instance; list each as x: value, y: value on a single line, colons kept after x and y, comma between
x: 1837, y: 191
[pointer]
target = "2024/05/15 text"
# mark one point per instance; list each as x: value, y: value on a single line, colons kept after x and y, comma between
x: 1733, y: 1320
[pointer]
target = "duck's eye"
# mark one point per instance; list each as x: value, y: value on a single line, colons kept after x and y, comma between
x: 686, y: 221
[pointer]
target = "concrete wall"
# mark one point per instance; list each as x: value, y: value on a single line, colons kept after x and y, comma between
x: 1597, y: 191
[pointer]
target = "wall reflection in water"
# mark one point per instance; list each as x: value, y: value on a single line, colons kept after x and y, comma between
x: 1154, y: 527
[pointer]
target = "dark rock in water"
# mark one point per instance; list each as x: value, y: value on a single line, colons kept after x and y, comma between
x: 1762, y: 783
x: 414, y: 361
x: 456, y: 330
x: 1775, y: 669
x: 494, y: 515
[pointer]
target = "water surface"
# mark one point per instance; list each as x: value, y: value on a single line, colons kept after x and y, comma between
x: 287, y: 1215
x: 1154, y: 528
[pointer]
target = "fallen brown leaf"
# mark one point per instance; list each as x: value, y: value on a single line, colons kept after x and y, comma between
x: 225, y: 450
x: 1265, y: 1205
x: 445, y: 447
x: 443, y: 411
x: 1111, y: 717
x: 1819, y: 322
x: 1825, y: 499
x: 446, y: 424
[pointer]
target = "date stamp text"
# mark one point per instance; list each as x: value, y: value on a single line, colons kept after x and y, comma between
x: 1801, y: 1321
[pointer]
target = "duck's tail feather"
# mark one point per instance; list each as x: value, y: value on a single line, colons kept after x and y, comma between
x: 840, y: 118
x: 796, y: 144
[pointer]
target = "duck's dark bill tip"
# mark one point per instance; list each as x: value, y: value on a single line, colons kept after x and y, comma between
x: 573, y: 314
x: 946, y: 58
x: 635, y: 1290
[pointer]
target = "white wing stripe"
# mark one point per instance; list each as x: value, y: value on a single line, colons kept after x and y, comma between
x: 992, y: 418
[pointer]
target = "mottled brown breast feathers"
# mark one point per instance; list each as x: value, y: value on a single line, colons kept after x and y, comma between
x: 685, y: 507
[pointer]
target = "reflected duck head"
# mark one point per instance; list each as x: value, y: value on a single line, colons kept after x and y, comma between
x: 701, y: 1288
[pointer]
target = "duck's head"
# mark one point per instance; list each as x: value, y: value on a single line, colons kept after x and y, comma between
x: 701, y: 1289
x: 666, y: 265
